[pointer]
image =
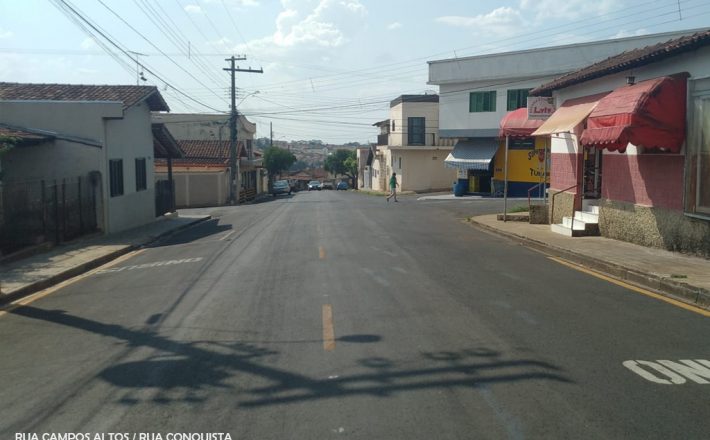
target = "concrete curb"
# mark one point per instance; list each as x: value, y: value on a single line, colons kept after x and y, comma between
x: 89, y: 265
x: 694, y: 295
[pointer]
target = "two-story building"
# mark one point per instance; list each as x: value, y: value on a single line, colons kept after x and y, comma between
x: 476, y: 92
x: 409, y: 145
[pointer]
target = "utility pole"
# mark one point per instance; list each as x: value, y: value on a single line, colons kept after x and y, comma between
x: 271, y: 134
x: 233, y: 160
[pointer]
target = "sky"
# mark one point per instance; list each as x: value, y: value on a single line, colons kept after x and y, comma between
x: 330, y: 67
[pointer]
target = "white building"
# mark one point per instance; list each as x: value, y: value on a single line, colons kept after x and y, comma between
x: 476, y: 92
x: 409, y: 145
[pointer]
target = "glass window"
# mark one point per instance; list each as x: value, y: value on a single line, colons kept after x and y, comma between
x: 416, y: 131
x: 482, y: 102
x: 697, y: 157
x: 141, y: 178
x: 517, y: 98
x: 116, y: 177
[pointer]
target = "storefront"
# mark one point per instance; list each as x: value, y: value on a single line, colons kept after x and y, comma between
x: 528, y: 157
x: 473, y: 160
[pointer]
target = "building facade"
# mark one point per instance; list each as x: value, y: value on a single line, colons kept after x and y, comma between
x: 477, y: 92
x: 409, y: 145
x: 636, y: 143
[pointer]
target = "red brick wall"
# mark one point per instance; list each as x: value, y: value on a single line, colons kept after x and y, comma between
x: 650, y: 179
x: 563, y: 173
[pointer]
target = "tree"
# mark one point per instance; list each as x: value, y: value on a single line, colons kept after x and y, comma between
x: 343, y: 162
x: 277, y: 160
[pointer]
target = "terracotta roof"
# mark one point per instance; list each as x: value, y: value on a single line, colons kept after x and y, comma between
x: 204, y: 153
x: 627, y: 60
x: 128, y: 95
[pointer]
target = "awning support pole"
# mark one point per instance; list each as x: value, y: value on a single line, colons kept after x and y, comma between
x: 505, y: 183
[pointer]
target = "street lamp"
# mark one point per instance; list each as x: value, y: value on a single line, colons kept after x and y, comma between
x: 256, y: 92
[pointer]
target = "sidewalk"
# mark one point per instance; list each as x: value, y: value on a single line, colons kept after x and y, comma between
x: 672, y: 274
x: 28, y: 275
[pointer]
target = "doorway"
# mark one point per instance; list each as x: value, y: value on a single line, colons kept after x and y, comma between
x: 592, y: 175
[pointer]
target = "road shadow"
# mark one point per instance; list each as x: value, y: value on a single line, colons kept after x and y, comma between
x: 207, y: 365
x: 202, y: 230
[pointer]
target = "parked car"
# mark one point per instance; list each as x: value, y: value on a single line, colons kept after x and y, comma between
x: 281, y: 187
x: 314, y: 185
x: 327, y: 185
x: 342, y: 185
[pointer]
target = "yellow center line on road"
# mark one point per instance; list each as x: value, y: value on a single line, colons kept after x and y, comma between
x: 636, y: 289
x: 321, y: 252
x: 328, y: 329
x: 42, y: 293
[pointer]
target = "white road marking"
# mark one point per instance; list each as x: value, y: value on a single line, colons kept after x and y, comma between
x: 150, y: 265
x: 667, y: 372
x: 227, y: 235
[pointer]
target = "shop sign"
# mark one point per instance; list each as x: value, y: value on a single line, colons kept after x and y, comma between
x: 540, y: 107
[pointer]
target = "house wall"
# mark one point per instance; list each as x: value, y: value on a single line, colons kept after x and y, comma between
x: 57, y: 159
x: 400, y: 114
x: 642, y: 193
x: 514, y: 70
x: 422, y: 170
x: 60, y: 158
x: 128, y: 139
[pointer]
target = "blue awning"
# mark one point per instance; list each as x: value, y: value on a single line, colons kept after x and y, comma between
x: 472, y: 155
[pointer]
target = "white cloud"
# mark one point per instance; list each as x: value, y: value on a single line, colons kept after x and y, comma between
x: 234, y: 3
x: 88, y: 43
x: 393, y: 26
x: 500, y: 21
x: 636, y: 33
x: 302, y: 26
x: 5, y: 34
x: 193, y: 9
x: 550, y: 10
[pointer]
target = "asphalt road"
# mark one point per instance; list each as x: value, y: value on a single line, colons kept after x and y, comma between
x: 335, y: 314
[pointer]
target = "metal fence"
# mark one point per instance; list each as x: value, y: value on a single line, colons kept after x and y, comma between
x: 36, y: 212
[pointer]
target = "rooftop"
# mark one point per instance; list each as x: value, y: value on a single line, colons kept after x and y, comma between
x: 127, y: 95
x: 628, y: 60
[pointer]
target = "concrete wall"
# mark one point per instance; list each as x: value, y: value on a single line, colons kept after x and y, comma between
x: 654, y: 227
x: 422, y: 170
x: 199, y: 189
x: 189, y: 126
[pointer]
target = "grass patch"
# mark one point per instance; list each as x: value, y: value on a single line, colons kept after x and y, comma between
x: 519, y: 208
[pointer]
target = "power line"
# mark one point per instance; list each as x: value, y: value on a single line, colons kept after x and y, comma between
x: 64, y: 4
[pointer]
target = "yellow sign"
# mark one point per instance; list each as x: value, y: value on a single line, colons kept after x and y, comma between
x: 524, y: 165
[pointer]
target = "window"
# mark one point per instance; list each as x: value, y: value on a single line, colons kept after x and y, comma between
x: 698, y: 156
x: 415, y: 131
x: 141, y: 179
x: 393, y: 125
x: 400, y: 162
x: 115, y: 168
x: 517, y: 98
x: 482, y: 102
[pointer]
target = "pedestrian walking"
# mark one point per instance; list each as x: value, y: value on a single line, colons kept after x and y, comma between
x: 393, y: 187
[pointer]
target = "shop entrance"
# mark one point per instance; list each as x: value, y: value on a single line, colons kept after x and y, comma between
x: 592, y: 176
